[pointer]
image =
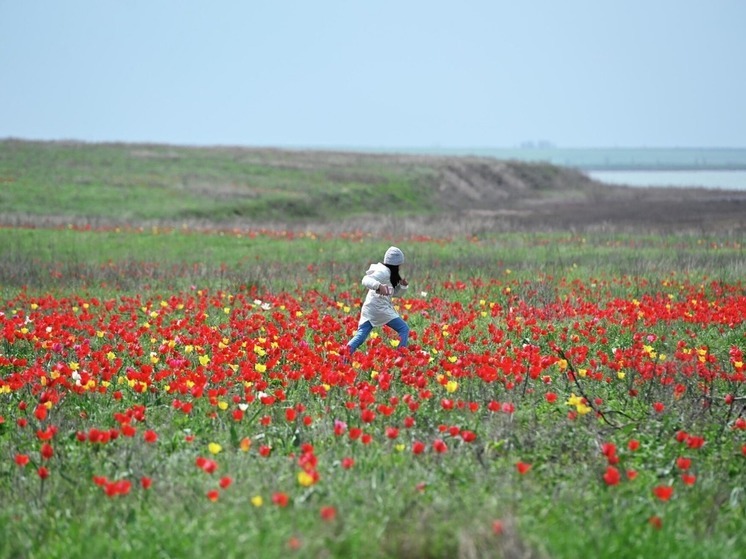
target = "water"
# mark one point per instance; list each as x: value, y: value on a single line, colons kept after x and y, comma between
x: 715, y: 168
x: 604, y: 159
x: 727, y: 180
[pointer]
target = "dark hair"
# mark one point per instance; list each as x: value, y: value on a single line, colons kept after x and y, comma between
x: 395, y: 277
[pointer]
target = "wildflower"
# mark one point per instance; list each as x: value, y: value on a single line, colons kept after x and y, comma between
x: 305, y: 479
x: 328, y: 513
x: 608, y: 449
x: 663, y: 492
x: 146, y: 482
x: 633, y: 445
x: 280, y: 499
x: 446, y: 403
x: 439, y: 446
x: 46, y: 451
x: 150, y: 436
x: 612, y: 476
x: 658, y: 407
x: 213, y: 495
x: 40, y: 412
x: 468, y: 436
x: 655, y: 522
x: 114, y: 488
x: 347, y: 462
x: 42, y: 472
x: 522, y: 467
x: 47, y: 434
x: 339, y: 427
x: 688, y: 479
x: 214, y: 448
x: 22, y: 459
x: 225, y: 482
x: 579, y: 403
x: 205, y: 464
x: 683, y: 463
x: 257, y: 501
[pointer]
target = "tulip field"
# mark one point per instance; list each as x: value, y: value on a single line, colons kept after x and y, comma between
x: 182, y: 393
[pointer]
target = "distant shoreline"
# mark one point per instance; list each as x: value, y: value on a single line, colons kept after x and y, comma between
x: 599, y: 159
x: 582, y: 159
x: 660, y: 167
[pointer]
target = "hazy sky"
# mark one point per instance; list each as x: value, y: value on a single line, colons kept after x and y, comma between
x: 376, y: 73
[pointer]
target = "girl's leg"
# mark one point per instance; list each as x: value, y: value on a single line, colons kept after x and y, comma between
x: 401, y: 328
x: 363, y: 331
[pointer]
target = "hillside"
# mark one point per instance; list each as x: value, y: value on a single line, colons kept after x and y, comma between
x: 57, y: 183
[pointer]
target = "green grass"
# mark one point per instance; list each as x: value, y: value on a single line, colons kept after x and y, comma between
x: 127, y: 182
x: 136, y: 258
x: 560, y: 509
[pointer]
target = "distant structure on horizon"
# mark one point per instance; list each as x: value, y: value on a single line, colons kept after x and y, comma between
x: 540, y: 144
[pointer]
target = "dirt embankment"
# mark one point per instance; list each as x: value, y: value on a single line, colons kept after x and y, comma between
x: 505, y: 195
x: 480, y: 195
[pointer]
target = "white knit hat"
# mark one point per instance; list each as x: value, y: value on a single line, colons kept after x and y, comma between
x: 393, y: 256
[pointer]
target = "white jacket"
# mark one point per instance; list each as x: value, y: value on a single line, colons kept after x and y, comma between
x: 379, y: 309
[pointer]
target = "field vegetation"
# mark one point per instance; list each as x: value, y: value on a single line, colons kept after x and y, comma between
x: 171, y: 383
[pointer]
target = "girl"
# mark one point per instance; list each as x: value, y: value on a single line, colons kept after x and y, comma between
x: 383, y: 282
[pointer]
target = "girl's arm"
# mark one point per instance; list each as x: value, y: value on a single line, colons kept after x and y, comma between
x: 374, y: 285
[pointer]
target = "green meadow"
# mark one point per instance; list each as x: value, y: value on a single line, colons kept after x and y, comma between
x: 152, y: 182
x: 173, y: 386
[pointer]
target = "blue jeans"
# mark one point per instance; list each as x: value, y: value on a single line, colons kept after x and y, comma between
x: 364, y: 330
